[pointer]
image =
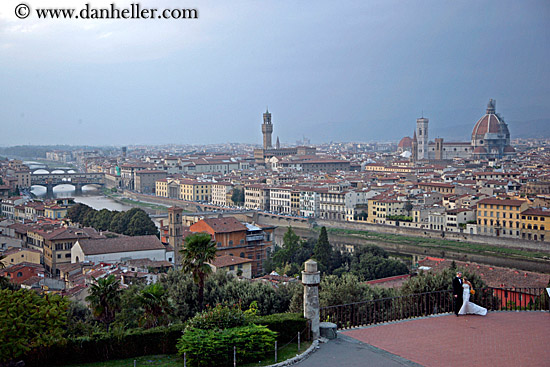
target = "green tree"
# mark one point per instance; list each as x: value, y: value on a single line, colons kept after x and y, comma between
x: 76, y: 213
x: 237, y: 196
x: 119, y: 222
x: 5, y: 283
x: 29, y: 321
x: 154, y: 301
x: 198, y: 252
x: 408, y: 207
x: 140, y: 224
x: 102, y: 219
x: 441, y: 281
x: 292, y: 247
x: 322, y: 252
x: 104, y: 299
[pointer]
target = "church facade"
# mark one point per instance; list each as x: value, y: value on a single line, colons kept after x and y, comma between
x: 490, y: 140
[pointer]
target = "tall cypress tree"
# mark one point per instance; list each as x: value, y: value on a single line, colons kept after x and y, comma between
x: 322, y: 252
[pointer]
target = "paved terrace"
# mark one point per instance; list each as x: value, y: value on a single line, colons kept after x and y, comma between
x: 503, y: 338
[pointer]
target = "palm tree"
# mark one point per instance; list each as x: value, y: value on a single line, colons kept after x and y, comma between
x: 199, y: 250
x: 104, y: 299
x: 155, y: 304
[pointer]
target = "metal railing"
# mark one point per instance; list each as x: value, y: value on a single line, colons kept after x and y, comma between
x: 431, y: 303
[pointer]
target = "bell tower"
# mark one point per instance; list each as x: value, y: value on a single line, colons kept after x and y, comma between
x: 422, y: 136
x: 175, y: 234
x: 267, y: 129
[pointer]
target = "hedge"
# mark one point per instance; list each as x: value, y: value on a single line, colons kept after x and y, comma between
x: 286, y: 325
x: 139, y: 342
x: 103, y: 347
x: 204, y: 348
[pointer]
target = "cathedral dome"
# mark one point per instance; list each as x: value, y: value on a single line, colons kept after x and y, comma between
x: 491, y: 137
x: 405, y: 143
x: 491, y: 123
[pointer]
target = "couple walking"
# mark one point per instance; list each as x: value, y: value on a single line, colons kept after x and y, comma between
x: 461, y: 294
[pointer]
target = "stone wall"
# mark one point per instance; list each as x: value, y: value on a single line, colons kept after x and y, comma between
x: 404, y: 231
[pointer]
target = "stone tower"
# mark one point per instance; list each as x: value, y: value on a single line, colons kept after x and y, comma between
x: 414, y: 148
x: 267, y: 129
x: 175, y: 234
x: 422, y: 136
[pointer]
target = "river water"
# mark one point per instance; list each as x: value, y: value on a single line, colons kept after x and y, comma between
x: 90, y: 196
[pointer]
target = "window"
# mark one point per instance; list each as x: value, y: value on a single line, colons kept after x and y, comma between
x: 230, y: 242
x: 59, y: 256
x: 232, y: 267
x: 242, y: 242
x: 241, y: 254
x: 67, y: 255
x: 19, y: 274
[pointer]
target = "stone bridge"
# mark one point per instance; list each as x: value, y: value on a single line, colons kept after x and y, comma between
x: 78, y: 180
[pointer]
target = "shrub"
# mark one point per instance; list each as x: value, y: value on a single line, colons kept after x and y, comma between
x: 218, y: 318
x: 105, y: 346
x: 29, y: 321
x: 215, y: 347
x: 286, y: 325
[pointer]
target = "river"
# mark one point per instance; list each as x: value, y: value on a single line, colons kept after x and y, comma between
x: 90, y: 196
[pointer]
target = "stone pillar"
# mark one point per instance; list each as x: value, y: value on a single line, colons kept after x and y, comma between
x: 49, y: 190
x: 311, y: 279
x: 77, y: 189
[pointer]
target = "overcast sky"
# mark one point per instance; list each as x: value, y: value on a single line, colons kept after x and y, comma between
x: 329, y: 70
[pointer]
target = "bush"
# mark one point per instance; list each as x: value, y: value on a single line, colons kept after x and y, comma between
x: 286, y: 325
x: 218, y: 318
x: 105, y: 346
x: 215, y: 347
x: 29, y: 321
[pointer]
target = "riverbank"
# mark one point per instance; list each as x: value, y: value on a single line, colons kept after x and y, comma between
x: 150, y: 208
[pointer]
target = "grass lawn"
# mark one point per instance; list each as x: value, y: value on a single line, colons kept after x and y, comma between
x: 134, y: 203
x: 441, y: 244
x: 283, y: 354
x: 169, y: 360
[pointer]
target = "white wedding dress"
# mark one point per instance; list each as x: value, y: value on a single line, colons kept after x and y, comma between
x: 470, y: 307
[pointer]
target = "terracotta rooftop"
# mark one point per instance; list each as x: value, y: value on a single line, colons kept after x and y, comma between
x: 120, y: 244
x: 493, y: 276
x: 509, y: 202
x: 226, y: 260
x: 224, y: 225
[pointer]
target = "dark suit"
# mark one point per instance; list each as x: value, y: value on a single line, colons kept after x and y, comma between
x: 457, y: 291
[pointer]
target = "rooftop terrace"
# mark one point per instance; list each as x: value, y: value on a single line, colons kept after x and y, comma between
x: 502, y: 338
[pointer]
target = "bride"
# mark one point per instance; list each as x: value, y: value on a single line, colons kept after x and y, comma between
x: 467, y: 306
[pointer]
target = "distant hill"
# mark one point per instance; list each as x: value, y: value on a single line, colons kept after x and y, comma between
x: 529, y: 129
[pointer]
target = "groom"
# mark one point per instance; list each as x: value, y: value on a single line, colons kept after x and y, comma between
x: 457, y: 292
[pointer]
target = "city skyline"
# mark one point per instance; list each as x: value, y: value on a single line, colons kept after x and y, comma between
x: 330, y: 74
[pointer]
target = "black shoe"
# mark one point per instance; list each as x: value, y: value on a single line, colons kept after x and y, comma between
x: 456, y: 315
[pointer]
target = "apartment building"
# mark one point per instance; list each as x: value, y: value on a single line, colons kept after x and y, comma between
x: 500, y: 217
